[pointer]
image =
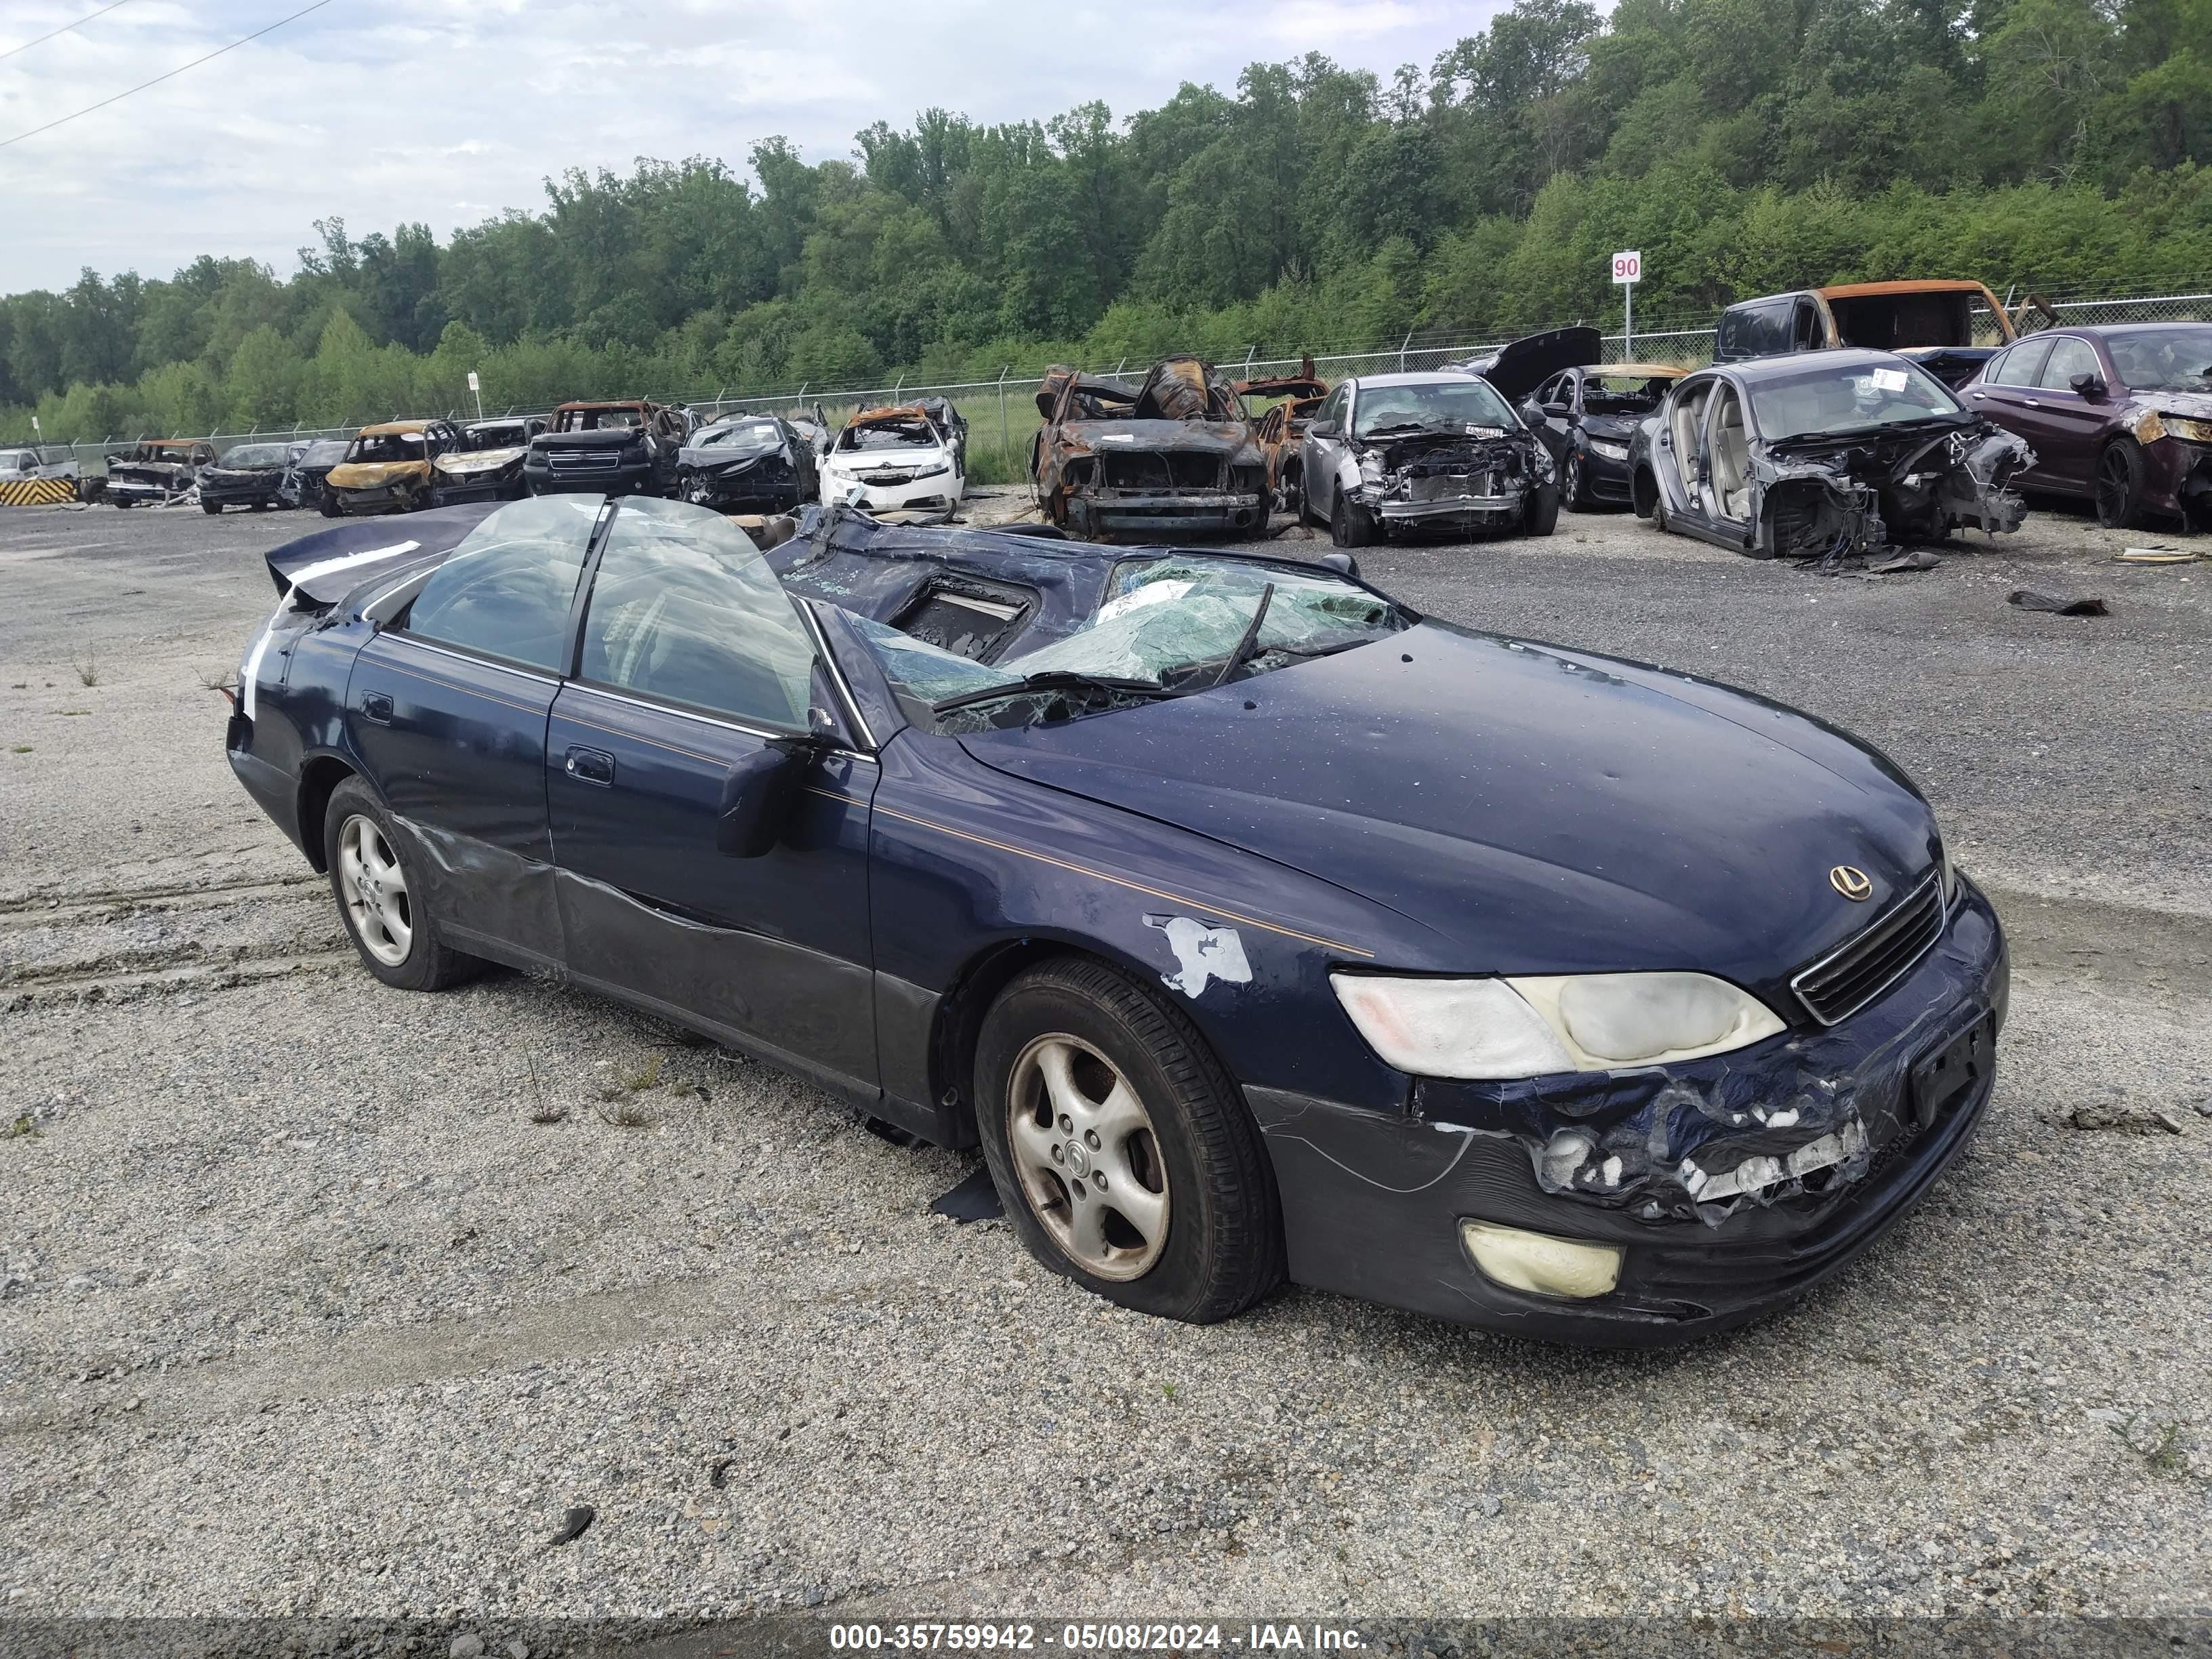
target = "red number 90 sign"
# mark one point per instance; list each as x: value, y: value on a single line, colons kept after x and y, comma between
x: 1628, y: 267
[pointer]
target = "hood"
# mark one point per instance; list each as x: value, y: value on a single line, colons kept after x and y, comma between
x: 597, y: 438
x: 862, y: 462
x: 372, y: 475
x: 2189, y: 406
x: 1614, y: 428
x: 1154, y: 437
x: 1519, y: 366
x: 1523, y: 808
x: 460, y: 462
x: 741, y: 451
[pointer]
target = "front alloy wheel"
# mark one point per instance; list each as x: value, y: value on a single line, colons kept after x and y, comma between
x: 1088, y: 1157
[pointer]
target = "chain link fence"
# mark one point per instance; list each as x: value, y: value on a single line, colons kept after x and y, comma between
x: 1002, y: 414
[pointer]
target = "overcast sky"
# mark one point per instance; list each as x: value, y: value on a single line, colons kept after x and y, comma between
x: 449, y: 111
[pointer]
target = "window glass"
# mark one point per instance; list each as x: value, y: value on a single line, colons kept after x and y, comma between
x: 2024, y: 363
x: 2163, y: 359
x: 2068, y: 357
x: 507, y: 589
x: 1822, y: 399
x: 685, y: 610
x: 1441, y: 405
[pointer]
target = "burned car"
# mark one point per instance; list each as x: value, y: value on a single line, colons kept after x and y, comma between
x: 1931, y: 322
x: 486, y: 464
x: 910, y: 462
x: 1252, y: 924
x: 156, y: 472
x: 386, y: 468
x: 1177, y: 453
x: 1440, y: 451
x: 615, y: 448
x: 1292, y: 402
x: 1826, y: 456
x: 247, y: 475
x: 748, y: 463
x: 303, y: 478
x: 2122, y: 415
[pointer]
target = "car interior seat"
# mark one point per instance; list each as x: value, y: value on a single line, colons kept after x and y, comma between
x: 1689, y: 420
x: 1731, y: 461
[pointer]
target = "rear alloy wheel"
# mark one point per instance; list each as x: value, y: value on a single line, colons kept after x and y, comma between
x: 1351, y: 525
x: 2119, y: 490
x: 1123, y: 1152
x: 378, y: 899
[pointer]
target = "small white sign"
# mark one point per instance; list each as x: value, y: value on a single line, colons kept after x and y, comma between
x: 1628, y: 266
x: 1889, y: 380
x: 473, y: 386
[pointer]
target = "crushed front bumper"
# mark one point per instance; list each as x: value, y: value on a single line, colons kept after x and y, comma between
x: 1451, y: 509
x: 1372, y: 1202
x: 1102, y: 511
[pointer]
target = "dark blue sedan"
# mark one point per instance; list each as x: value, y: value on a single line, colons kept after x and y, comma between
x: 1255, y: 925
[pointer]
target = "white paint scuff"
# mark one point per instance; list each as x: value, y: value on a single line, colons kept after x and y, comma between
x: 1206, y: 954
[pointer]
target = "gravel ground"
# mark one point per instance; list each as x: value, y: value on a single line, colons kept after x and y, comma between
x: 320, y: 1297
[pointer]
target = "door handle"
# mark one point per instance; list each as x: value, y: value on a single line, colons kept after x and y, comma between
x: 377, y: 706
x: 1979, y: 396
x: 592, y: 766
x: 2032, y: 404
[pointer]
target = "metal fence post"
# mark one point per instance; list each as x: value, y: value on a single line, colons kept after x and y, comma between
x: 1005, y: 438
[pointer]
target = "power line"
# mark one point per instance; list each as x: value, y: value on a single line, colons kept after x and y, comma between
x: 158, y: 79
x: 64, y: 29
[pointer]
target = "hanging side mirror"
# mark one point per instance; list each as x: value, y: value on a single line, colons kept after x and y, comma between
x: 763, y: 790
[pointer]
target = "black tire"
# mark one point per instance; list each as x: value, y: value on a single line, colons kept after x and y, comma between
x: 328, y: 503
x: 2118, y: 487
x: 428, y: 964
x: 210, y: 507
x: 1642, y: 493
x: 1541, y: 515
x: 1351, y: 525
x: 1574, y: 483
x: 1294, y: 495
x: 1223, y: 1245
x: 261, y: 504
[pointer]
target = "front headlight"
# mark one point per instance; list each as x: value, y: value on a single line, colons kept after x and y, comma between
x: 1611, y: 452
x: 1371, y: 468
x: 2197, y: 432
x: 1490, y: 1030
x: 941, y: 468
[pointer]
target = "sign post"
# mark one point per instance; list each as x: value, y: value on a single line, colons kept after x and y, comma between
x: 477, y: 391
x: 1628, y: 272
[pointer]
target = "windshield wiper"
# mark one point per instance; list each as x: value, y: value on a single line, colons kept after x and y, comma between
x: 1249, y: 639
x: 1053, y: 679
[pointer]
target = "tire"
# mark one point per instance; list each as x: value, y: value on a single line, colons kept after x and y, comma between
x: 1351, y: 525
x: 211, y: 509
x: 261, y: 505
x: 1540, y: 517
x: 375, y: 889
x: 1218, y: 1247
x: 328, y: 503
x: 1294, y: 495
x: 1574, y: 483
x: 1642, y: 493
x: 2118, y: 486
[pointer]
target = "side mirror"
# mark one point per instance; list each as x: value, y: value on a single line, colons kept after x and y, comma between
x: 2089, y: 385
x: 759, y: 794
x: 1343, y: 564
x: 1531, y: 413
x: 1323, y: 429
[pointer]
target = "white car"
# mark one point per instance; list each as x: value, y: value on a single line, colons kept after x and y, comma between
x: 909, y: 467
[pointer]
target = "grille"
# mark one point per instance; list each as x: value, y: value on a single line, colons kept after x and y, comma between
x: 583, y: 460
x: 1839, y: 985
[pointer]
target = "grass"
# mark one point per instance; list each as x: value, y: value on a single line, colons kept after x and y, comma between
x: 23, y: 1126
x: 22, y: 749
x: 624, y: 1113
x: 2166, y: 1454
x: 646, y: 1076
x: 87, y: 671
x: 542, y: 1110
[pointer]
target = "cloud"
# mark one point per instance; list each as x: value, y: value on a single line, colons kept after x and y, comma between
x: 447, y: 111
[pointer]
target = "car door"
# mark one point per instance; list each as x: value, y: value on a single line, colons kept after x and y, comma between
x: 1681, y: 440
x: 447, y: 709
x: 1323, y: 448
x: 2008, y: 393
x: 691, y: 660
x: 2060, y: 424
x: 1554, y: 401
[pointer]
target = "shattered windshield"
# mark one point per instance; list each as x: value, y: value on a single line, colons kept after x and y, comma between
x: 1816, y: 402
x: 600, y: 420
x: 1167, y: 627
x: 1470, y: 405
x: 511, y: 434
x: 386, y: 446
x: 2163, y: 359
x: 253, y: 455
x: 749, y: 432
x: 899, y: 434
x: 327, y: 452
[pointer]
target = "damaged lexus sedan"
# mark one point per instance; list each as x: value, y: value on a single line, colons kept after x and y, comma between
x: 1827, y: 455
x: 1179, y: 454
x: 1647, y: 1007
x: 1438, y: 452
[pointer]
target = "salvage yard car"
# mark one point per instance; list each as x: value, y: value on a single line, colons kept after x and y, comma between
x: 1587, y: 416
x: 1931, y: 322
x: 486, y: 464
x: 2122, y: 415
x: 1178, y: 453
x: 156, y: 471
x: 303, y: 480
x: 614, y: 448
x: 1253, y: 924
x: 247, y: 475
x: 1439, y: 451
x: 910, y: 462
x: 1829, y: 455
x: 386, y: 468
x: 748, y: 463
x: 1292, y: 401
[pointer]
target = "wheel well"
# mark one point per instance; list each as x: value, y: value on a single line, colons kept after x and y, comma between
x: 317, y: 778
x: 959, y: 1023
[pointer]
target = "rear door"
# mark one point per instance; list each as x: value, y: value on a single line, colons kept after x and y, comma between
x: 691, y: 659
x: 447, y: 709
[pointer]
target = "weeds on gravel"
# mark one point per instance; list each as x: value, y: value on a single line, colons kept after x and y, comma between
x: 24, y: 1125
x: 542, y: 1110
x: 87, y: 671
x: 2163, y: 1453
x: 625, y: 1114
x: 646, y: 1076
x: 22, y: 749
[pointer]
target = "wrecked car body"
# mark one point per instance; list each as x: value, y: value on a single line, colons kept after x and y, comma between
x: 157, y: 472
x: 387, y: 469
x: 303, y: 480
x: 909, y: 462
x: 1292, y: 400
x: 1827, y: 456
x: 1440, y: 452
x: 249, y: 476
x: 1138, y: 869
x: 748, y: 463
x: 1931, y: 322
x: 2121, y: 415
x: 486, y: 464
x: 627, y: 446
x: 1584, y: 410
x: 1177, y: 453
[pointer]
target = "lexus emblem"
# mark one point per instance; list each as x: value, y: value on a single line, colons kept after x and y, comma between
x: 1853, y: 884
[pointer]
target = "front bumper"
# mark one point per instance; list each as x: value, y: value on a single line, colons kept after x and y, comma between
x: 132, y: 492
x: 242, y: 494
x: 1372, y: 1201
x: 1207, y: 510
x: 495, y: 487
x: 1605, y: 478
x: 1452, y: 509
x: 743, y: 492
x: 378, y: 498
x: 631, y: 478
